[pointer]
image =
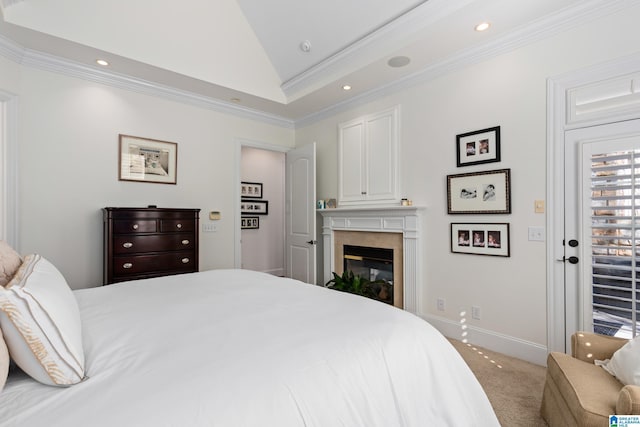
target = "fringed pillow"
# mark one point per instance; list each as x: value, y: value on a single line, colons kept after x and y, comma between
x: 9, y: 262
x: 40, y: 319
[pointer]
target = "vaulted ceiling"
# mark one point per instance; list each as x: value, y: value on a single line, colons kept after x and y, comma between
x: 288, y: 58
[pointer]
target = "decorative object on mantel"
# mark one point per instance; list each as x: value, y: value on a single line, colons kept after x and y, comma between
x: 355, y: 284
x: 251, y: 190
x: 480, y: 239
x: 406, y: 202
x: 147, y: 160
x: 477, y: 147
x: 330, y: 203
x: 487, y: 192
x: 256, y: 207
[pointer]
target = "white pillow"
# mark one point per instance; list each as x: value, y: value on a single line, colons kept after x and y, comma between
x: 625, y: 363
x: 40, y: 319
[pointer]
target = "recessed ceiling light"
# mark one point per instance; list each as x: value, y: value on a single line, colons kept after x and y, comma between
x: 398, y: 61
x: 102, y: 62
x: 346, y: 87
x: 483, y: 26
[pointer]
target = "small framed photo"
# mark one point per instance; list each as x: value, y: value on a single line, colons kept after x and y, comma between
x: 250, y: 222
x: 487, y: 192
x: 480, y: 146
x: 251, y: 190
x: 480, y: 239
x: 147, y: 160
x: 256, y: 207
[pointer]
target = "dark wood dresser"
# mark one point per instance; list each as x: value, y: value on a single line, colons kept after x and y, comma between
x: 149, y: 242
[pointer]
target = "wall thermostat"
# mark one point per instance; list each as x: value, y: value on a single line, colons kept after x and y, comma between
x: 214, y: 215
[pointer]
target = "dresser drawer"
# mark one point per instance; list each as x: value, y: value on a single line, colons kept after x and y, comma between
x: 170, y: 225
x: 135, y: 226
x: 136, y: 264
x: 153, y: 243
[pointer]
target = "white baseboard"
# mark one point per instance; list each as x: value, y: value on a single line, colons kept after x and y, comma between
x: 511, y: 346
x: 275, y: 272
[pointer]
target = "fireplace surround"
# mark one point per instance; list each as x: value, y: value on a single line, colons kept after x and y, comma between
x: 376, y: 227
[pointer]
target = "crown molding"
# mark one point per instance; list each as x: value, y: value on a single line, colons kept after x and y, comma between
x: 544, y: 28
x: 47, y: 62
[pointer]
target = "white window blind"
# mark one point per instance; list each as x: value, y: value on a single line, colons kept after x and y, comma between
x: 615, y: 237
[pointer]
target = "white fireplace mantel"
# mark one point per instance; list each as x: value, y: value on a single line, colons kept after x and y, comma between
x: 388, y: 219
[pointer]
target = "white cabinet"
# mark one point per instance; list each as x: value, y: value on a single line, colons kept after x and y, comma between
x: 368, y: 159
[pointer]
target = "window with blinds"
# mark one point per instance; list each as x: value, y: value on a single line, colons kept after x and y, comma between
x: 615, y: 235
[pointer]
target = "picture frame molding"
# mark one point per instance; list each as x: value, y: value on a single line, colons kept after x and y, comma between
x: 132, y: 167
x: 490, y: 135
x: 499, y: 230
x: 468, y: 193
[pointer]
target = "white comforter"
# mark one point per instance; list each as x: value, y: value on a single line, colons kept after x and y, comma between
x: 239, y: 348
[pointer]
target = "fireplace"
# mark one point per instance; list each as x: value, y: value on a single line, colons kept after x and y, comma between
x: 389, y: 227
x: 374, y: 264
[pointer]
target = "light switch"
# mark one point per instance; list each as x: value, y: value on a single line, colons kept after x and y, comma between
x: 539, y: 206
x: 536, y: 234
x: 209, y: 227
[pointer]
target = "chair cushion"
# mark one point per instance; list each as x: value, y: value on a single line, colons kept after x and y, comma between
x: 590, y: 392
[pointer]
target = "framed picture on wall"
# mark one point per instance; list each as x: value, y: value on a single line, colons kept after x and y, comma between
x: 250, y: 222
x: 480, y: 146
x: 256, y: 207
x: 480, y: 239
x: 251, y: 190
x: 147, y: 160
x: 487, y: 192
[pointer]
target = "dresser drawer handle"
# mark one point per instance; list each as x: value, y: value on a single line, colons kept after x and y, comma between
x: 185, y: 260
x: 185, y: 242
x: 179, y: 225
x: 135, y: 226
x: 127, y: 265
x: 127, y: 245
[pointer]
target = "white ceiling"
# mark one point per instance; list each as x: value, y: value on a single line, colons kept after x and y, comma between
x: 248, y: 52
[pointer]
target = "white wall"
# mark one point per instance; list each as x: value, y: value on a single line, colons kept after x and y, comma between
x: 263, y: 249
x: 68, y: 165
x: 507, y: 91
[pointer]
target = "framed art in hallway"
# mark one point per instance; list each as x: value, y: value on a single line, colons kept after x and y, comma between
x: 487, y: 192
x: 251, y: 190
x: 477, y: 147
x: 480, y: 239
x: 147, y: 160
x: 250, y: 222
x: 255, y: 207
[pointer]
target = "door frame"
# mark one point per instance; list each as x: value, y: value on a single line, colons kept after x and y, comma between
x: 560, y: 107
x: 237, y: 231
x: 9, y: 216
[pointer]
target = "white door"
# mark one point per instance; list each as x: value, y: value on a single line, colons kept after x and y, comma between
x: 602, y: 229
x: 300, y: 212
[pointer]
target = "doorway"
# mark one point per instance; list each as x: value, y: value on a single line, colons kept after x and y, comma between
x: 592, y: 118
x: 292, y: 232
x: 602, y: 228
x: 262, y: 174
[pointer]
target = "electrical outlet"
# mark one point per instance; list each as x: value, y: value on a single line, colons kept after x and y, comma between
x: 536, y: 234
x: 475, y: 312
x: 440, y: 304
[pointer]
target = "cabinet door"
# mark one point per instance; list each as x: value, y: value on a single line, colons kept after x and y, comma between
x: 381, y: 152
x: 351, y: 169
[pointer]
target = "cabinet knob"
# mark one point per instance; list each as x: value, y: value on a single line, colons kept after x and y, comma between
x: 135, y: 226
x: 179, y: 225
x: 127, y: 265
x: 185, y: 242
x: 127, y: 244
x: 185, y: 260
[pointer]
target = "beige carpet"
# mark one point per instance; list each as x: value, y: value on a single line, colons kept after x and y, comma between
x: 514, y: 386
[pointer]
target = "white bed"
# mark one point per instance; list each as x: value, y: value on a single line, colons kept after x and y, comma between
x: 240, y: 348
